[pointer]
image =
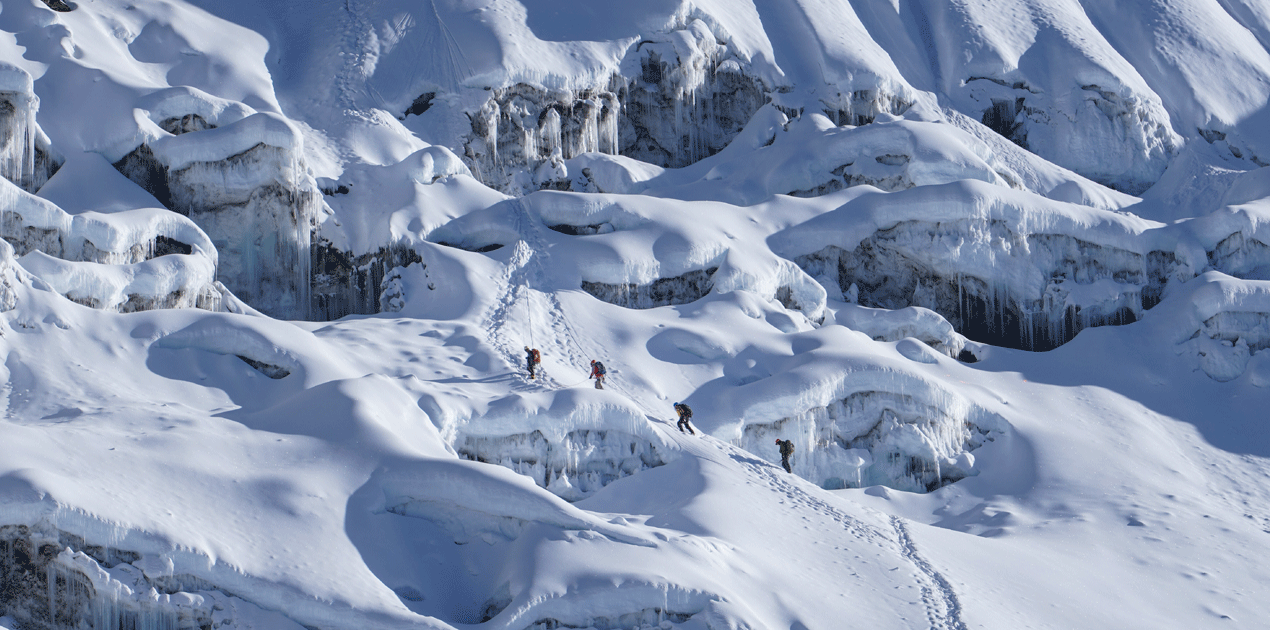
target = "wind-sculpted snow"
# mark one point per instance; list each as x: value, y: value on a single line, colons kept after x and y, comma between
x: 127, y: 261
x: 919, y: 323
x: 806, y: 219
x: 641, y: 252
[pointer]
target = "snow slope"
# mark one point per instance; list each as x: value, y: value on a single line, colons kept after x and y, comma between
x: 1000, y: 271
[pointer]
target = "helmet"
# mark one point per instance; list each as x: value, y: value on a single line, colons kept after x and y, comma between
x: 526, y: 348
x: 592, y: 361
x: 778, y: 440
x: 677, y: 404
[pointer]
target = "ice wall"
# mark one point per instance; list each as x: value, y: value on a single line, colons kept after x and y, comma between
x: 51, y: 580
x: 247, y: 186
x: 681, y: 96
x: 910, y: 442
x: 1004, y: 267
x: 26, y: 159
x: 573, y: 465
x: 523, y: 127
x: 682, y: 289
x: 690, y: 97
x: 344, y: 284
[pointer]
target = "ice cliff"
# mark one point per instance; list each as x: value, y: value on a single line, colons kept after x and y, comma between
x: 247, y: 186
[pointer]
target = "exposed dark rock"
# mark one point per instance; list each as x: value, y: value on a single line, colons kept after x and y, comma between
x: 346, y: 285
x: 146, y: 171
x: 684, y: 289
x: 268, y: 369
x: 1003, y: 118
x: 185, y: 124
x: 164, y: 246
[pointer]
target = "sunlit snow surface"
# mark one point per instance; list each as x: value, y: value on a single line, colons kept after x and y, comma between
x: 837, y: 223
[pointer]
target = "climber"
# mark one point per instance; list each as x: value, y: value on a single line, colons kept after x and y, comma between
x: 685, y: 414
x: 532, y: 359
x: 787, y: 451
x: 597, y: 373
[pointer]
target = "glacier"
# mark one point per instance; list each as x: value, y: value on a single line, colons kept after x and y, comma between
x: 998, y: 270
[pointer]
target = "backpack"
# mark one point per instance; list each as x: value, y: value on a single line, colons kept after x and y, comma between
x: 536, y: 357
x: 787, y: 447
x: 685, y: 411
x: 599, y: 368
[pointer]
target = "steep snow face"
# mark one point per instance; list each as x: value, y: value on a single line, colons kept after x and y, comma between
x: 247, y: 185
x: 1093, y: 112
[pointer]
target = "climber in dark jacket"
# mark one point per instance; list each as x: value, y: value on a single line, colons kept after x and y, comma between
x: 598, y: 372
x: 685, y: 414
x: 532, y: 359
x: 787, y: 451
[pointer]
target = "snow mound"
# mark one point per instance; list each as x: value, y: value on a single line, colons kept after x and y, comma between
x: 1219, y: 324
x: 641, y: 252
x: 915, y: 322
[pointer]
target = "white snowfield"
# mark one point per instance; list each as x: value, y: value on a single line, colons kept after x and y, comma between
x: 998, y: 270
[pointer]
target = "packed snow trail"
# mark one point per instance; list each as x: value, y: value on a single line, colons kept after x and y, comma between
x: 942, y: 606
x: 527, y: 268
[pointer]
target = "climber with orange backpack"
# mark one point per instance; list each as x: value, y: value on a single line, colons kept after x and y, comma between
x: 532, y: 359
x: 597, y: 373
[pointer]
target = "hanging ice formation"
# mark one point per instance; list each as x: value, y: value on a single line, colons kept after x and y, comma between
x: 682, y: 289
x: 1078, y: 284
x: 245, y: 184
x: 911, y: 442
x: 685, y: 98
x: 344, y: 284
x: 571, y: 467
x: 50, y: 586
x: 26, y: 158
